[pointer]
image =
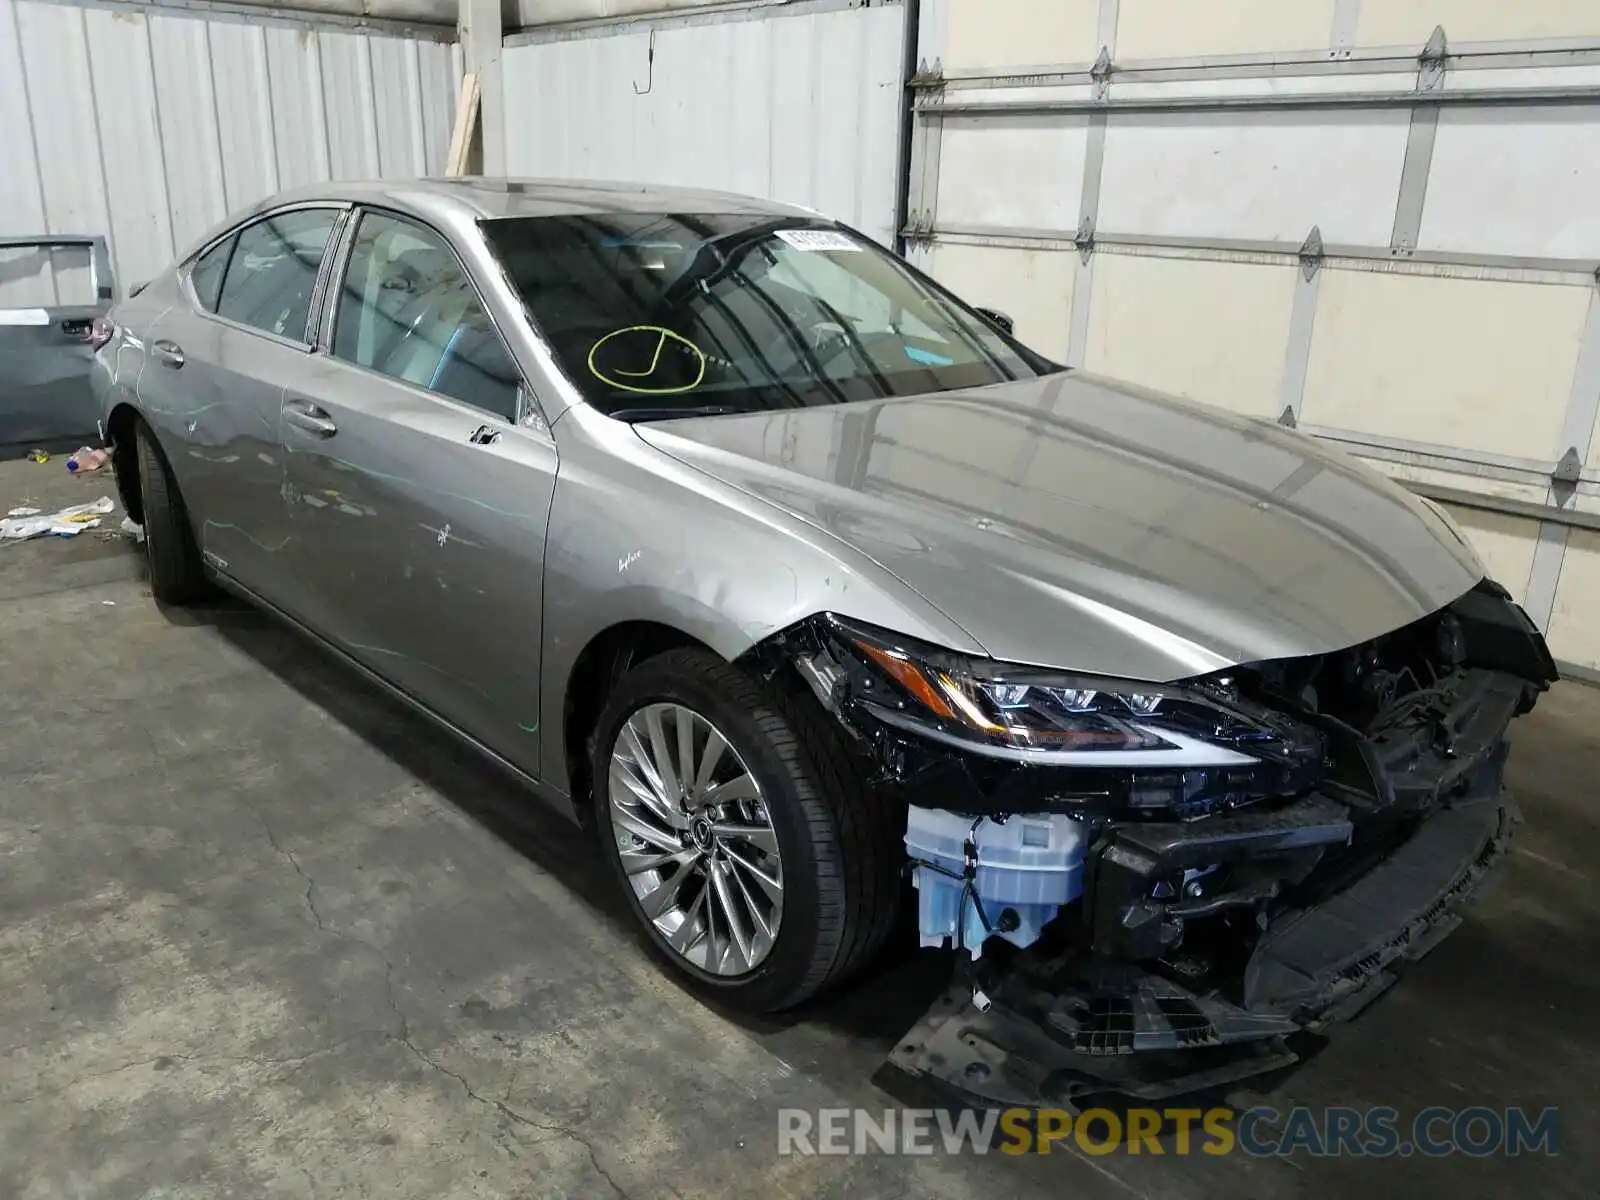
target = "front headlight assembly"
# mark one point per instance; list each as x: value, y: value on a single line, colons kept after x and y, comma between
x: 1145, y: 746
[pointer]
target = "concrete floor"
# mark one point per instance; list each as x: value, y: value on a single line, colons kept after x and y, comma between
x: 262, y: 933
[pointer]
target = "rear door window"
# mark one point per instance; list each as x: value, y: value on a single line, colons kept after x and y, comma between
x: 407, y: 310
x: 273, y: 271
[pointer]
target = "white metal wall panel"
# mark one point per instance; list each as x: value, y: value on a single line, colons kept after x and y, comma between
x: 52, y: 44
x: 347, y: 87
x: 1443, y: 322
x: 20, y: 197
x: 1183, y: 28
x: 976, y: 153
x: 1033, y: 287
x: 1574, y: 632
x: 801, y: 107
x: 1409, y: 22
x: 399, y: 124
x: 138, y: 201
x: 1247, y: 175
x: 244, y: 112
x: 1457, y: 362
x: 1210, y: 331
x: 150, y: 127
x: 191, y: 146
x: 294, y: 64
x: 1517, y: 181
x: 1019, y: 33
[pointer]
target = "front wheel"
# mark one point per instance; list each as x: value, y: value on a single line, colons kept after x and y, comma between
x: 748, y: 847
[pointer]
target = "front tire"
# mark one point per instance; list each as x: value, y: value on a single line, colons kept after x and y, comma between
x: 748, y: 846
x: 177, y: 575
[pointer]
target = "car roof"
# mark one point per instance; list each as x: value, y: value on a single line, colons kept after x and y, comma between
x: 481, y: 198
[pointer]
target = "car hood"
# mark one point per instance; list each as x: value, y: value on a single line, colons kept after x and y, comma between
x: 1076, y: 522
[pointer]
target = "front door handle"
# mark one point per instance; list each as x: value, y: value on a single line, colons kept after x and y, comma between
x: 308, y: 416
x: 168, y: 354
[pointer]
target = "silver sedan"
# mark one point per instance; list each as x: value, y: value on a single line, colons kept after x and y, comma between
x: 790, y: 573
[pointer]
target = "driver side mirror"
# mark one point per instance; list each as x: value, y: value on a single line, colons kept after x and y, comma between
x: 1001, y: 321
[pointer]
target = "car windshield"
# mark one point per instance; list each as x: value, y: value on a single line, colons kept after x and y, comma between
x: 655, y: 315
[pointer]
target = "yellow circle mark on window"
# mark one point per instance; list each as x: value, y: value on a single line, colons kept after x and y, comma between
x: 663, y: 336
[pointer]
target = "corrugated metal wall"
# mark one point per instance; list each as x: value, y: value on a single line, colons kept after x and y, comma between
x: 150, y: 127
x: 800, y: 104
x: 1139, y: 180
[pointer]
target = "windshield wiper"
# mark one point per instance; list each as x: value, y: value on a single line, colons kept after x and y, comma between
x: 725, y: 251
x: 665, y: 413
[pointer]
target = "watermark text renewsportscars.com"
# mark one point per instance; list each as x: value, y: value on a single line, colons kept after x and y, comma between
x: 1260, y: 1132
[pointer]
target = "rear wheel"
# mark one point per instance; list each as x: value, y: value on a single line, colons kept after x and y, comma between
x: 750, y: 852
x: 177, y: 575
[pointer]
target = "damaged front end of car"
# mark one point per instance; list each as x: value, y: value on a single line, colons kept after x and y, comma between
x: 1160, y: 888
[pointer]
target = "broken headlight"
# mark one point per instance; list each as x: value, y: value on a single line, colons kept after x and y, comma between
x: 1144, y: 745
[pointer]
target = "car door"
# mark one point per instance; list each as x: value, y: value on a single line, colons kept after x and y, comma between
x: 213, y: 388
x: 47, y: 303
x: 420, y: 486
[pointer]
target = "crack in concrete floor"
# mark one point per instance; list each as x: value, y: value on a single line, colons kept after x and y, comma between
x: 403, y: 1033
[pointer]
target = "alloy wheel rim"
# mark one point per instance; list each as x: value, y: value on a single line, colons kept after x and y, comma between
x: 696, y: 840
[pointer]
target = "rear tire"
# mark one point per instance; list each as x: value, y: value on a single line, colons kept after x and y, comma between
x: 838, y: 841
x: 177, y: 575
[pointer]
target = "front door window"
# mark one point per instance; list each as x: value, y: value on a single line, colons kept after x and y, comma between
x: 407, y: 310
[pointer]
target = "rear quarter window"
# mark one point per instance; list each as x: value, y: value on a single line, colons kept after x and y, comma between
x: 205, y: 277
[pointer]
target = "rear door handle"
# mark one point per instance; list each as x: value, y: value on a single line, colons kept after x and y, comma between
x: 307, y: 416
x: 168, y: 354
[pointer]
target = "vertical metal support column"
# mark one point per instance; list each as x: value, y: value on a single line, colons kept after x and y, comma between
x: 904, y: 144
x: 1094, y: 158
x: 1106, y: 28
x: 478, y: 25
x: 926, y: 133
x: 1549, y: 552
x: 1083, y: 282
x: 1577, y: 431
x: 1302, y: 324
x: 1431, y: 65
x: 1346, y: 16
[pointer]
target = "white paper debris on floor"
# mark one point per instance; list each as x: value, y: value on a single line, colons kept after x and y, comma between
x: 24, y: 511
x: 133, y: 529
x: 68, y: 522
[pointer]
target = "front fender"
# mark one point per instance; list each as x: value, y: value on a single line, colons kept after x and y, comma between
x: 636, y: 535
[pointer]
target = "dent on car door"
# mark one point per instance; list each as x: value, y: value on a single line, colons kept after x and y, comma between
x: 419, y: 499
x: 214, y: 387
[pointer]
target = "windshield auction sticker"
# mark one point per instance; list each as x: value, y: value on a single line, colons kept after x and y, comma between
x: 818, y: 239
